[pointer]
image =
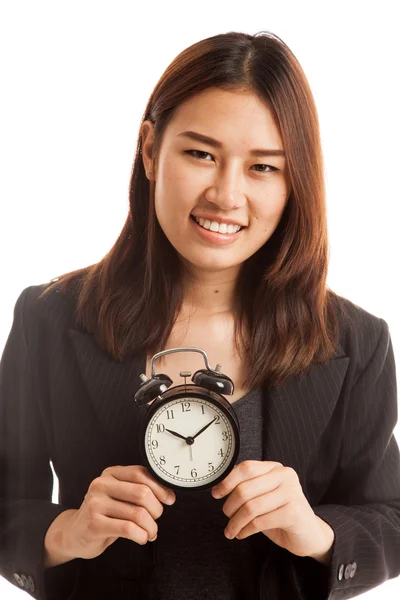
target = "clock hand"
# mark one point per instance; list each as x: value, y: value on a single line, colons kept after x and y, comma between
x: 177, y: 434
x: 204, y: 428
x: 189, y: 440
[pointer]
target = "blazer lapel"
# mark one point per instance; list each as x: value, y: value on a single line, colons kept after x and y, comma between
x: 110, y: 386
x: 295, y: 415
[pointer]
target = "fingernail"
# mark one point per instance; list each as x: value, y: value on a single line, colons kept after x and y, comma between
x: 170, y: 499
x: 228, y: 534
x: 154, y: 538
x: 216, y: 494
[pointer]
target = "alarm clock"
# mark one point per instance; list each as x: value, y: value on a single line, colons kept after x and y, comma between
x: 190, y: 435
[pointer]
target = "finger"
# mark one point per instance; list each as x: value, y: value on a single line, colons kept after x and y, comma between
x: 138, y: 515
x: 255, y: 508
x: 140, y: 474
x: 276, y: 519
x: 251, y: 488
x: 247, y: 469
x: 138, y: 494
x: 105, y: 526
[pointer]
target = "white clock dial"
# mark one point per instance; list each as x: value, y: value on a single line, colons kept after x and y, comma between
x: 189, y: 464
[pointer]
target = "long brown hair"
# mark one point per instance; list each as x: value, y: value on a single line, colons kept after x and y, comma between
x: 285, y: 316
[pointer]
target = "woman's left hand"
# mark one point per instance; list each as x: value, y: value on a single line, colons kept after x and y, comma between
x: 266, y: 497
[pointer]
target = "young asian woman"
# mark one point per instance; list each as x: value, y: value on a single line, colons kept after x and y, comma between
x: 224, y: 248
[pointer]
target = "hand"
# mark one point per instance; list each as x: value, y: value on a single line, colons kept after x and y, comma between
x: 123, y: 502
x: 266, y: 497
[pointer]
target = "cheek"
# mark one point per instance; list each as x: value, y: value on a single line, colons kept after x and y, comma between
x: 174, y: 194
x: 269, y: 213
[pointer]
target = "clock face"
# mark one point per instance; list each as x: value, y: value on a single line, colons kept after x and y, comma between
x: 190, y: 442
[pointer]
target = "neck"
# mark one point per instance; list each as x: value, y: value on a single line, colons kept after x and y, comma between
x: 209, y: 292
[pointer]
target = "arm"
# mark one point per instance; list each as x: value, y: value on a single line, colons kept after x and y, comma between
x: 54, y: 554
x: 323, y: 554
x: 362, y: 505
x: 26, y: 481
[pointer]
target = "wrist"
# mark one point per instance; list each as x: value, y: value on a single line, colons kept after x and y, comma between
x: 55, y: 541
x: 324, y: 549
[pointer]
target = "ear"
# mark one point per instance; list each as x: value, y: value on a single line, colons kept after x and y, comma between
x: 147, y: 135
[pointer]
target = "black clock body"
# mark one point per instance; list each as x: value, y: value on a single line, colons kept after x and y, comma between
x: 205, y: 402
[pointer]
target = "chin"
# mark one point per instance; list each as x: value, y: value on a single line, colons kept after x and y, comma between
x: 212, y: 263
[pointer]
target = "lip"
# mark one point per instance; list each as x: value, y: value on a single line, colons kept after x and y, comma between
x: 219, y: 239
x: 218, y: 219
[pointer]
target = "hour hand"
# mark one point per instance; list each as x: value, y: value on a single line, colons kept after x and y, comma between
x: 183, y: 437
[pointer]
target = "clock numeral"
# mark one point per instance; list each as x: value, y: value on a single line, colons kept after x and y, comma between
x: 160, y: 428
x: 220, y: 453
x: 154, y: 443
x: 216, y: 422
x: 162, y: 460
x: 202, y: 410
x: 194, y: 473
x: 212, y: 467
x: 170, y: 412
x: 177, y: 467
x: 185, y: 406
x: 224, y: 436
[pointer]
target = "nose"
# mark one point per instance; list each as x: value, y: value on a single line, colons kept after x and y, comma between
x: 226, y: 190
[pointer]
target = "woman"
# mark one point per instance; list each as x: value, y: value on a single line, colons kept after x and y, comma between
x: 229, y: 139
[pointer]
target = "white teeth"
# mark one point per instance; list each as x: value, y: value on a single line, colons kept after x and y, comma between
x: 215, y: 226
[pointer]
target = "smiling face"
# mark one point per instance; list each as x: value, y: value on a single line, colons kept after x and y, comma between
x: 225, y: 182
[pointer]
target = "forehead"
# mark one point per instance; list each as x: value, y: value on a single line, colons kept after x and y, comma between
x: 231, y: 117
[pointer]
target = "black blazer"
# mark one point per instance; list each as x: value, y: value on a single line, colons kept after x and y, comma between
x: 64, y: 399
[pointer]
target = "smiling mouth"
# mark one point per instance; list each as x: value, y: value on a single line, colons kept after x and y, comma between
x: 212, y: 231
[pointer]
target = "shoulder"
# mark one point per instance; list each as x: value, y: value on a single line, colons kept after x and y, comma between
x: 55, y: 309
x: 357, y: 322
x: 362, y: 333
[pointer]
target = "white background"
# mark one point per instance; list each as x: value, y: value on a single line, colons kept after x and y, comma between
x: 76, y: 78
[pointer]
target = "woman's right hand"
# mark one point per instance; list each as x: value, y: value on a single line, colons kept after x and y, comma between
x: 124, y: 501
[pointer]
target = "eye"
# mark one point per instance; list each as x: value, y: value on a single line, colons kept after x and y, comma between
x: 194, y: 152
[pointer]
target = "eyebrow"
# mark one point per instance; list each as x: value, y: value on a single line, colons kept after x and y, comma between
x: 199, y: 137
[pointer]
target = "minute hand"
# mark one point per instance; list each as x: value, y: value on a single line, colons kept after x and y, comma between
x: 204, y: 428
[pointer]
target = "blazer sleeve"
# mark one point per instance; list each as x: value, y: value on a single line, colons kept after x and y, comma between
x: 26, y: 481
x: 362, y: 504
